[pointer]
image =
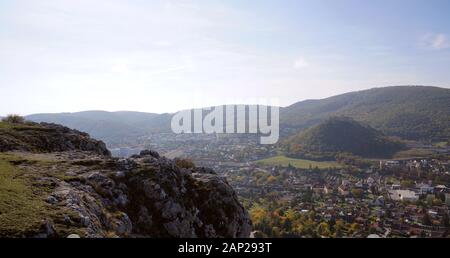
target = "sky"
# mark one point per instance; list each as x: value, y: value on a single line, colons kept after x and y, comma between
x: 164, y: 56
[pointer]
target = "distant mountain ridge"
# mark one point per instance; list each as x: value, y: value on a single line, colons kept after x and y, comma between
x: 409, y: 112
x: 111, y: 127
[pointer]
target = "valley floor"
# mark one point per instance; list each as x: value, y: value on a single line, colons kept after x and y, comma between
x: 298, y: 163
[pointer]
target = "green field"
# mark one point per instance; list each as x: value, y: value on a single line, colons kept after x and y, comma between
x: 441, y: 144
x: 298, y: 163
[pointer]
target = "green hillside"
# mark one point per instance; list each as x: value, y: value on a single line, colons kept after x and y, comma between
x: 410, y: 112
x: 341, y: 135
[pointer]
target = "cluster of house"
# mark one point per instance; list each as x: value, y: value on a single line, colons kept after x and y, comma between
x: 426, y: 165
x: 372, y: 199
x: 396, y: 192
x: 382, y: 208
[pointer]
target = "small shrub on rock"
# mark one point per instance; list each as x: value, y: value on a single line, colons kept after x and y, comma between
x: 184, y: 163
x: 14, y: 119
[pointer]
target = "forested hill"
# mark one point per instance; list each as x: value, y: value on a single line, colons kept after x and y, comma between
x: 341, y: 135
x: 410, y: 112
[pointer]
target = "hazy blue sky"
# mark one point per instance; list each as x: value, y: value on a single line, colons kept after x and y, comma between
x: 163, y: 56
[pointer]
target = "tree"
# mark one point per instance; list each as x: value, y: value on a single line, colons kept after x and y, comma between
x: 445, y: 222
x: 323, y: 229
x: 271, y: 180
x: 407, y: 183
x: 357, y: 193
x: 426, y: 220
x: 354, y: 228
x: 437, y: 202
x: 339, y: 227
x: 257, y: 213
x: 276, y: 232
x: 14, y: 119
x: 307, y: 195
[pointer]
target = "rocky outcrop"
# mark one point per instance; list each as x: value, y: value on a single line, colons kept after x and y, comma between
x: 45, y: 137
x: 90, y: 194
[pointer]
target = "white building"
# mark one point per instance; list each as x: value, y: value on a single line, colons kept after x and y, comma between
x: 403, y: 195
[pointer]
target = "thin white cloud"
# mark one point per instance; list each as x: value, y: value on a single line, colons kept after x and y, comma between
x: 155, y: 55
x: 436, y: 41
x: 301, y: 63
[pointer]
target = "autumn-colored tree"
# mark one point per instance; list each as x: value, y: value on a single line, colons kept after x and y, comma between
x: 323, y: 229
